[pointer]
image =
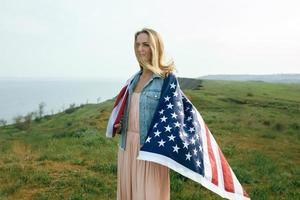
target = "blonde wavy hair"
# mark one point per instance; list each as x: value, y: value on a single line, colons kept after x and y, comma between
x: 157, y: 65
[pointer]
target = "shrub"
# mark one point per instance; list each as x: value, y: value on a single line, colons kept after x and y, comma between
x: 3, y: 122
x: 47, y: 116
x: 28, y: 120
x: 71, y: 108
x: 69, y: 123
x: 83, y: 132
x: 278, y: 126
x: 295, y: 126
x: 23, y: 123
x: 266, y: 122
x: 271, y: 135
x: 249, y: 94
x: 41, y: 109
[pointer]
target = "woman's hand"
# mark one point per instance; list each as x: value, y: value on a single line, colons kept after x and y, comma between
x: 118, y: 127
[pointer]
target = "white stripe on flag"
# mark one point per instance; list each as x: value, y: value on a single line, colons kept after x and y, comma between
x: 215, y: 149
x: 207, y: 164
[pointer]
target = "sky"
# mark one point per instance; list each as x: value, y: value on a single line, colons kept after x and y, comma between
x: 94, y: 38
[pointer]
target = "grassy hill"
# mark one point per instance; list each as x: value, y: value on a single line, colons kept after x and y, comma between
x: 272, y: 78
x: 66, y: 155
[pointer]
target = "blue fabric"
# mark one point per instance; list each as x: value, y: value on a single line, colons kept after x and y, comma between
x: 149, y: 98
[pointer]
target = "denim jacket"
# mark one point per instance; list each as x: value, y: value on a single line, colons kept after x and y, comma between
x: 149, y: 98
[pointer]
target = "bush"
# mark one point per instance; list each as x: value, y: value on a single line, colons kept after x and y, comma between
x: 278, y: 126
x: 3, y: 122
x: 295, y: 126
x: 71, y: 108
x: 266, y: 123
x: 23, y: 123
x: 69, y: 123
x: 271, y: 135
x: 249, y: 94
x: 41, y: 109
x: 47, y: 116
x: 19, y: 122
x: 81, y: 132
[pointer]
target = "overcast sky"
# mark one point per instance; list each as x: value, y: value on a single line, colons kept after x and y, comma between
x: 71, y: 39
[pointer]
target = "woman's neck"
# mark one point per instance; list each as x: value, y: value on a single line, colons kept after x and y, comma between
x: 146, y: 73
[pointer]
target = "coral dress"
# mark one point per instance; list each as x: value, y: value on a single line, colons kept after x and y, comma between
x: 139, y: 179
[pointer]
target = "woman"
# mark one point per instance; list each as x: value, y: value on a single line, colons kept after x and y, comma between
x: 197, y: 156
x: 137, y: 179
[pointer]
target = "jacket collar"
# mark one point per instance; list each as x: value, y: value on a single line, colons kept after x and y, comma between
x: 152, y: 77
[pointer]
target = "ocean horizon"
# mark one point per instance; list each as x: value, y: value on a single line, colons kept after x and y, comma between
x: 20, y: 96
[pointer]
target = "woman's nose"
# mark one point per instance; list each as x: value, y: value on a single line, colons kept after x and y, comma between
x: 140, y: 48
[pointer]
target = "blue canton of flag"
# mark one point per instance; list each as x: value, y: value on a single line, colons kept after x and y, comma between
x: 175, y: 131
x: 179, y: 139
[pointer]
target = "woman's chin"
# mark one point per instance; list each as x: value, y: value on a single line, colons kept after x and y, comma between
x: 145, y: 60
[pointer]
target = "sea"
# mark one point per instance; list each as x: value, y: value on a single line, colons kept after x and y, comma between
x: 19, y: 97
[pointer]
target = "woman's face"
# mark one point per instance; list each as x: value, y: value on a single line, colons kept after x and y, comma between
x: 143, y: 47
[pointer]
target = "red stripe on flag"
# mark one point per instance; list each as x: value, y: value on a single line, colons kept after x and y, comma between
x: 227, y: 176
x: 120, y: 95
x: 121, y: 111
x: 212, y: 158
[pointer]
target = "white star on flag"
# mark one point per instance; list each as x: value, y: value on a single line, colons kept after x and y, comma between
x: 161, y: 142
x: 157, y: 133
x: 193, y: 141
x: 198, y: 163
x: 148, y: 139
x: 167, y: 98
x: 173, y: 86
x: 176, y: 148
x: 174, y: 115
x: 170, y: 106
x: 195, y: 152
x: 185, y: 144
x: 172, y: 137
x: 188, y: 156
x: 168, y: 128
x: 177, y: 124
x: 164, y: 119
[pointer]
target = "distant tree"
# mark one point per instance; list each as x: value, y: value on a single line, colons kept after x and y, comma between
x: 35, y: 115
x: 18, y: 121
x: 23, y: 123
x: 41, y: 109
x: 28, y: 121
x: 98, y: 99
x: 71, y: 108
x: 3, y: 122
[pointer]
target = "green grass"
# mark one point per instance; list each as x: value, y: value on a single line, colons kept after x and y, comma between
x: 66, y: 156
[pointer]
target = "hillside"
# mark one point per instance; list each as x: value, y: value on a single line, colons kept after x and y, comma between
x: 66, y: 155
x: 272, y: 78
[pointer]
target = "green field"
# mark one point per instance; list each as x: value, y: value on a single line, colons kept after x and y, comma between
x: 66, y: 155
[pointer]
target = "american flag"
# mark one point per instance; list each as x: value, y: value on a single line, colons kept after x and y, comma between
x: 118, y: 110
x: 179, y: 139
